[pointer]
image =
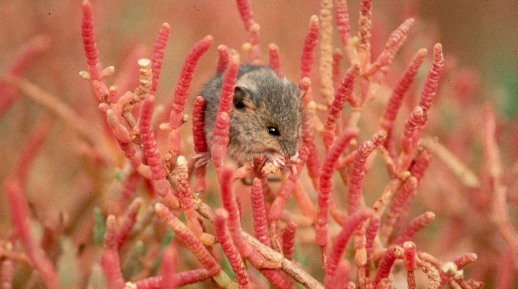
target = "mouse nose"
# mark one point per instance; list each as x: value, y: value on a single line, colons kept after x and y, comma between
x: 291, y: 151
x: 294, y: 157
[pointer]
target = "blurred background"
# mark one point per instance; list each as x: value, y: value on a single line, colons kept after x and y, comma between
x: 479, y: 34
x: 479, y: 38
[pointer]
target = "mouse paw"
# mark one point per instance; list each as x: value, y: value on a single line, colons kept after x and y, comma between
x: 269, y: 168
x: 273, y: 163
x: 202, y: 159
x: 277, y: 160
x: 294, y: 159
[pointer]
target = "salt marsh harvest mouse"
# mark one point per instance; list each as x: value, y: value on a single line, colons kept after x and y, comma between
x: 266, y: 117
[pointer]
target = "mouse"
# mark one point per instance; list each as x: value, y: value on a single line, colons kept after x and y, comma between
x: 266, y: 117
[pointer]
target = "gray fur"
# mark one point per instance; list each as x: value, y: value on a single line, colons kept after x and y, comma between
x: 269, y: 101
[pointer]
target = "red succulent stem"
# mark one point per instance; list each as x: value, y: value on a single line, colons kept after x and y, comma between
x: 180, y: 279
x: 394, y: 43
x: 288, y: 240
x: 432, y: 80
x: 276, y: 278
x: 500, y: 214
x: 89, y: 42
x: 168, y: 267
x: 415, y: 226
x: 287, y: 187
x: 464, y: 260
x: 222, y: 123
x: 341, y: 240
x: 341, y: 276
x: 410, y: 263
x: 308, y: 139
x: 6, y: 273
x: 229, y: 201
x: 220, y: 139
x: 337, y: 71
x: 123, y: 137
x: 188, y: 238
x: 184, y: 80
x: 409, y: 140
x: 223, y: 58
x: 308, y: 51
x: 259, y: 212
x: 255, y: 49
x: 430, y: 87
x: 198, y: 121
x: 325, y: 184
x: 275, y: 58
x: 27, y: 53
x: 229, y: 248
x: 364, y: 32
x: 247, y: 14
x: 385, y: 264
x: 230, y: 204
x: 396, y: 98
x: 110, y: 259
x: 343, y: 94
x: 420, y: 164
x: 228, y: 86
x: 304, y: 201
x: 399, y: 206
x: 129, y: 220
x: 21, y: 62
x: 176, y: 117
x: 358, y: 171
x: 130, y: 185
x: 490, y: 145
x: 370, y: 236
x: 305, y: 91
x: 128, y: 73
x: 158, y: 54
x: 360, y: 251
x: 19, y: 211
x: 409, y: 256
x: 181, y: 176
x: 148, y: 139
x: 343, y: 25
x: 200, y: 142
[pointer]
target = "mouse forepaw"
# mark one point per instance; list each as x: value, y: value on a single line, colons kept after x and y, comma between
x: 294, y: 159
x: 277, y: 160
x: 202, y: 159
x: 274, y: 163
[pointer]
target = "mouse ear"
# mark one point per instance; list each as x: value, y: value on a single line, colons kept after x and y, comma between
x: 243, y: 98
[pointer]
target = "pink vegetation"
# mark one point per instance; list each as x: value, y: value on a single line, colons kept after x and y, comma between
x: 325, y: 184
x: 23, y: 58
x: 308, y: 51
x: 221, y: 125
x: 20, y: 212
x: 176, y: 118
x: 158, y: 54
x: 331, y: 200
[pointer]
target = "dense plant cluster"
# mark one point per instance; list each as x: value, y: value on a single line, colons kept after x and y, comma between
x: 164, y: 218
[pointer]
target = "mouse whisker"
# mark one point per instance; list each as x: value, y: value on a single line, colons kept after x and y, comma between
x: 202, y: 159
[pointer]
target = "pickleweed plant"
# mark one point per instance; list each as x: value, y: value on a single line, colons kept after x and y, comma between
x: 358, y: 207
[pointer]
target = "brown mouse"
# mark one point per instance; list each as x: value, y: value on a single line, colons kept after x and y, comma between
x: 266, y: 117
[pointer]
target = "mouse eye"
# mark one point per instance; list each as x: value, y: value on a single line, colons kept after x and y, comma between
x: 273, y: 131
x: 239, y: 105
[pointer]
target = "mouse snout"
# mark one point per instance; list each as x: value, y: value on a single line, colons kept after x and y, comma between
x: 291, y: 150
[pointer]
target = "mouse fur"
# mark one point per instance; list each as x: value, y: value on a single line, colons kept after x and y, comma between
x: 266, y: 117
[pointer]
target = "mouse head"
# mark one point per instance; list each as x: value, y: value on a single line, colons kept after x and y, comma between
x: 266, y: 117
